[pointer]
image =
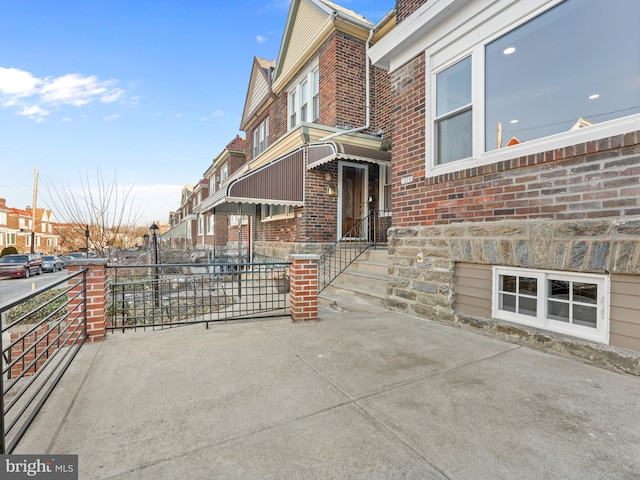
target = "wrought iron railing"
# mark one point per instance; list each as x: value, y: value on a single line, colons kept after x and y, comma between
x: 41, y: 334
x: 160, y: 296
x: 371, y: 231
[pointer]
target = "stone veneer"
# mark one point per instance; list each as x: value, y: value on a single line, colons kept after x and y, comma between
x: 422, y: 269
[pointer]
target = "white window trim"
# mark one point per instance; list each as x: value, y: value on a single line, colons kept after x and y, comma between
x: 452, y: 47
x: 296, y: 88
x: 289, y: 214
x: 599, y: 335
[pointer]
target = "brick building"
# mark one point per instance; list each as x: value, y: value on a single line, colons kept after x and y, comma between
x: 18, y: 230
x: 317, y: 132
x: 516, y: 168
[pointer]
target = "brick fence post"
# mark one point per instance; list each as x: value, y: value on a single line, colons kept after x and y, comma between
x: 303, y: 293
x: 96, y: 295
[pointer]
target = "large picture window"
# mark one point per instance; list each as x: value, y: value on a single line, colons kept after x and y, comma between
x: 570, y: 303
x: 575, y: 65
x: 558, y: 75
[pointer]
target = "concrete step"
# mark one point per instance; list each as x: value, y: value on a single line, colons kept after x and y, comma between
x: 362, y: 287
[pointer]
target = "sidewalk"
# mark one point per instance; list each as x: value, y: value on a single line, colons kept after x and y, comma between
x: 353, y: 396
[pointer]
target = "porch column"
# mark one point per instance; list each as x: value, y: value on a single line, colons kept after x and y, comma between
x: 96, y: 295
x: 303, y: 293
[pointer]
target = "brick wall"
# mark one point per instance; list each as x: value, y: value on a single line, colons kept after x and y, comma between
x: 598, y: 179
x: 404, y: 8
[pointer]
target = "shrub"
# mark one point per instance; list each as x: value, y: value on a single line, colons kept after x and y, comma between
x: 8, y: 251
x: 53, y: 304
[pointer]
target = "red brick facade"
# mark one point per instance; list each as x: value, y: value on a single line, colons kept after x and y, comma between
x: 404, y: 8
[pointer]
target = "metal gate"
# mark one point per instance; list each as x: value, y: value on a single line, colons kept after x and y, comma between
x: 167, y: 295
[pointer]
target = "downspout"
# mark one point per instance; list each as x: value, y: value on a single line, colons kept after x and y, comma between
x: 367, y: 95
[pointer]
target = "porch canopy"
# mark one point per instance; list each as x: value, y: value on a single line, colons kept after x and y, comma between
x: 279, y: 182
x: 178, y: 231
x: 321, y: 153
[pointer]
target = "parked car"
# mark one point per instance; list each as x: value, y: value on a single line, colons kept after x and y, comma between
x: 51, y: 263
x: 70, y: 256
x: 20, y: 265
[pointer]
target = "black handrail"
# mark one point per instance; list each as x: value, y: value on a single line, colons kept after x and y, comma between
x: 35, y: 360
x: 370, y: 231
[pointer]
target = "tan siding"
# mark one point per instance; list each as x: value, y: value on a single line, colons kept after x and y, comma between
x: 625, y: 311
x: 259, y: 92
x: 304, y: 29
x: 473, y: 290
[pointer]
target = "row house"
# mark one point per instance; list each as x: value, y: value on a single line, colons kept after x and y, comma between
x: 18, y: 230
x: 182, y: 222
x: 516, y: 169
x: 317, y: 136
x: 192, y: 226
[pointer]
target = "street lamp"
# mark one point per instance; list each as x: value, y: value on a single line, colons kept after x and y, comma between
x: 154, y: 233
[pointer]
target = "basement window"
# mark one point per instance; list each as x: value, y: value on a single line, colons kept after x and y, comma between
x: 564, y: 302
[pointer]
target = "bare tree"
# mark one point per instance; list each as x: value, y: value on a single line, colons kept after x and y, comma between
x: 102, y: 213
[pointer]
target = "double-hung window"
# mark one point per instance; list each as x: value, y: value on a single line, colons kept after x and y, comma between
x: 530, y: 78
x: 261, y: 137
x: 304, y: 98
x: 564, y: 302
x: 453, y: 112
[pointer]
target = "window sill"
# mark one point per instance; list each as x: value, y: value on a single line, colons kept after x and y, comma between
x: 553, y: 142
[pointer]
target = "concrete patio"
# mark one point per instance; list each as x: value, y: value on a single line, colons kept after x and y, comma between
x: 352, y: 396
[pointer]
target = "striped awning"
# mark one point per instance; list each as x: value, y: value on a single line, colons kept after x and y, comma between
x: 321, y: 153
x: 279, y: 182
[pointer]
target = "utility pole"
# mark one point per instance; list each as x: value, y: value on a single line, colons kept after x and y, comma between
x: 33, y: 211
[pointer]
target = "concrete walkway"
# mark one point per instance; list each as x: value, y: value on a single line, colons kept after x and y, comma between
x: 353, y: 396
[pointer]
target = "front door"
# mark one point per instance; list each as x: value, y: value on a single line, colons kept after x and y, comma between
x: 352, y: 200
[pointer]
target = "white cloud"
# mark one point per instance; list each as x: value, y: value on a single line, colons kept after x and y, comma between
x: 17, y: 87
x: 115, y: 116
x: 261, y: 39
x: 217, y: 113
x: 17, y: 82
x: 33, y: 111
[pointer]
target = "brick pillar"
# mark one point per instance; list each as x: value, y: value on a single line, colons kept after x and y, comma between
x: 303, y: 293
x: 96, y: 295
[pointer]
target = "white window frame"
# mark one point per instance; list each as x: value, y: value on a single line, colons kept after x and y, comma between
x: 211, y: 222
x: 212, y: 184
x: 200, y: 224
x: 385, y: 181
x: 261, y: 138
x: 11, y: 239
x: 599, y: 334
x: 460, y: 37
x: 303, y: 98
x: 224, y: 173
x: 268, y: 216
x: 3, y: 218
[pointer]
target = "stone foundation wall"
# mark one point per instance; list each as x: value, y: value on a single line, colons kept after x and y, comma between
x: 423, y: 259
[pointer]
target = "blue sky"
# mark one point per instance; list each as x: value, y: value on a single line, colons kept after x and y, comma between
x: 148, y: 90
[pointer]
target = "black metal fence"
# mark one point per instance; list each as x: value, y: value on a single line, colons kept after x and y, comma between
x: 41, y: 334
x: 166, y: 295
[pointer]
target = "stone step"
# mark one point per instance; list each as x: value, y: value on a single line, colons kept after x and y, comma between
x: 362, y: 287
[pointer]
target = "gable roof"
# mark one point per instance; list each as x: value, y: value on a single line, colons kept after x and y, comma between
x: 259, y: 89
x: 309, y: 24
